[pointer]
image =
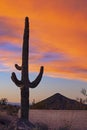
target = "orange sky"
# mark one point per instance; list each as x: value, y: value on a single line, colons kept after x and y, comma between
x: 58, y: 35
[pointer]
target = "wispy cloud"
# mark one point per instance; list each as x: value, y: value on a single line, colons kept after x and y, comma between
x: 10, y: 47
x: 58, y: 35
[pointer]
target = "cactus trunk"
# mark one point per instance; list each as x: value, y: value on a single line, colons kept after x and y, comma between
x: 25, y: 89
x: 25, y: 103
x: 25, y: 83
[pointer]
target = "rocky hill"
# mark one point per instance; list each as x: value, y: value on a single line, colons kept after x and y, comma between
x: 59, y: 102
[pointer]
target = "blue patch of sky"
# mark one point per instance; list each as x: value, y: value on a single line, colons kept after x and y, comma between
x: 7, y: 29
x: 9, y: 47
x: 68, y: 87
x: 3, y: 67
x: 9, y: 33
x: 53, y: 56
x: 34, y: 45
x: 33, y: 50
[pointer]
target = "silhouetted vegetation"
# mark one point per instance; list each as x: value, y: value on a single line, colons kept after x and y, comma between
x: 25, y: 83
x: 81, y: 100
x: 83, y: 91
x: 10, y: 109
x: 3, y: 101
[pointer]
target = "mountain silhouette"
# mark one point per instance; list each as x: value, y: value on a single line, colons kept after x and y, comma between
x: 59, y: 102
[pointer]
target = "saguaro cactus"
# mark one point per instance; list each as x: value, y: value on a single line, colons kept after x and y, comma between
x: 25, y: 83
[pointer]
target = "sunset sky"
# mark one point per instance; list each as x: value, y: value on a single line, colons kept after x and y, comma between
x: 58, y: 41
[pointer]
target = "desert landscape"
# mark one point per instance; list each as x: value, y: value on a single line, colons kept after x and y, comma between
x: 50, y: 57
x: 52, y: 119
x: 48, y: 114
x: 55, y: 119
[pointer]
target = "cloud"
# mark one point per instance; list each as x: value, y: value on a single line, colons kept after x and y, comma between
x: 10, y: 47
x: 58, y: 35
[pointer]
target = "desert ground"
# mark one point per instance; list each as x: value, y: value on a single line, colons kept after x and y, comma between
x: 55, y: 119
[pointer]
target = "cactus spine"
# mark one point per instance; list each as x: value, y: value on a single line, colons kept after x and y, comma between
x: 25, y: 83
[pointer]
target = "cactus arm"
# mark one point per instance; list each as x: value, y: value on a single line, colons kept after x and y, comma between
x: 15, y: 80
x: 18, y: 67
x: 37, y: 80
